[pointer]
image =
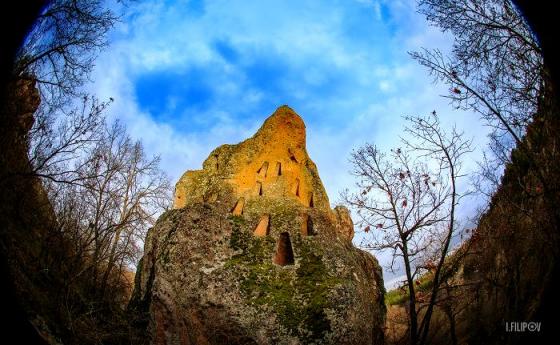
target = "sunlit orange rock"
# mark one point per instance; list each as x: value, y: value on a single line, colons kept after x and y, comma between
x: 273, y: 163
x: 262, y: 228
x: 252, y: 253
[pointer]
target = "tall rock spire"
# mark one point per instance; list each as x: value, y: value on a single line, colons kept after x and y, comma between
x: 253, y: 254
x: 272, y: 164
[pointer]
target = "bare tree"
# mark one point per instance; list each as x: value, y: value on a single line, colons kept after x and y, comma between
x: 407, y: 203
x: 495, y: 68
x: 103, y: 189
x: 103, y: 192
x: 120, y: 193
x: 59, y: 52
x: 58, y: 140
x: 57, y: 57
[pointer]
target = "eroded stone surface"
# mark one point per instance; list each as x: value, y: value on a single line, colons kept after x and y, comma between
x: 246, y: 166
x: 253, y: 254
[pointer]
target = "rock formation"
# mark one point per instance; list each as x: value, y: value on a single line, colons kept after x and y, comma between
x: 253, y: 254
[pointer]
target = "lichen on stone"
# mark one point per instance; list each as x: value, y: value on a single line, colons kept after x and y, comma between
x: 253, y: 253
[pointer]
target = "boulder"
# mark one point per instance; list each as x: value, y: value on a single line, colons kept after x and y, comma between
x: 252, y: 253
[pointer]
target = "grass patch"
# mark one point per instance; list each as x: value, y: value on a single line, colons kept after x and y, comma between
x: 395, y: 297
x: 399, y: 296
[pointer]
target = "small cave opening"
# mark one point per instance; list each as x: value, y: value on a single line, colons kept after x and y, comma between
x: 278, y: 169
x: 296, y: 187
x: 292, y: 156
x: 284, y: 252
x: 263, y: 169
x: 263, y: 228
x: 311, y: 204
x: 237, y: 209
x: 307, y: 226
x: 216, y: 162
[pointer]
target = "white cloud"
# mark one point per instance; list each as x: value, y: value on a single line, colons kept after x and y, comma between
x: 346, y: 68
x: 386, y: 86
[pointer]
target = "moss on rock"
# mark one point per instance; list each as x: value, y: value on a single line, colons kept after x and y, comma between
x: 271, y: 281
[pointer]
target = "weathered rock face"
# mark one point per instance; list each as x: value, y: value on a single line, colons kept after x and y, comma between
x: 253, y: 254
x: 273, y: 163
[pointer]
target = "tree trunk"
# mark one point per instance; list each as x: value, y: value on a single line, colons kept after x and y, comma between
x: 413, y: 317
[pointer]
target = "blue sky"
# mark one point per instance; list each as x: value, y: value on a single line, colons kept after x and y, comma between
x: 189, y: 75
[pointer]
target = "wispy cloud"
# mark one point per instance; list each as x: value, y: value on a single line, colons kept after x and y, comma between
x: 188, y: 76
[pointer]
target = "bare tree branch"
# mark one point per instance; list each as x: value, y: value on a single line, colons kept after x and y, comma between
x: 406, y: 203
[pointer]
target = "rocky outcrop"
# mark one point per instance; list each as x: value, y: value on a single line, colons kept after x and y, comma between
x: 253, y: 254
x: 27, y: 221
